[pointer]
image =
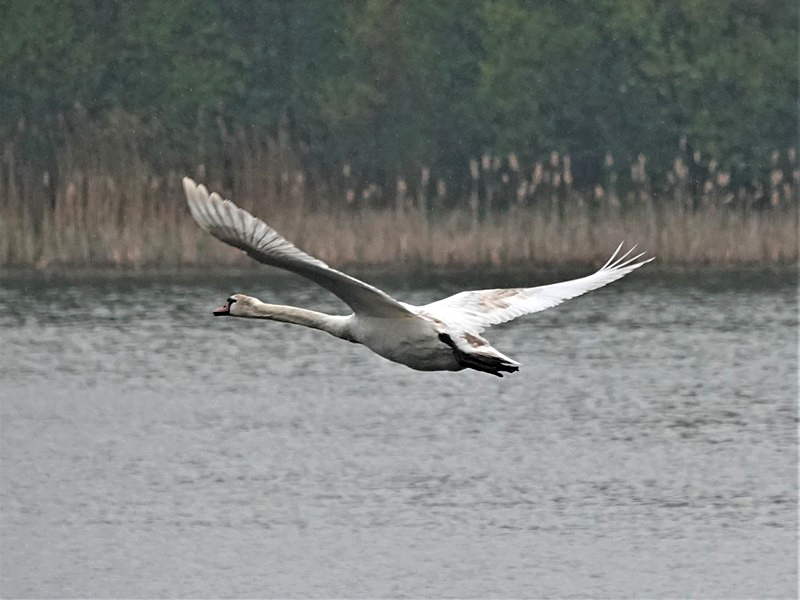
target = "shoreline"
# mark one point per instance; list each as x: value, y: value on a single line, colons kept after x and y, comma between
x: 366, y: 271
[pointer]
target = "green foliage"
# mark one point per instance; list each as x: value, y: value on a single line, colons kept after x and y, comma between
x: 407, y: 95
x: 390, y: 86
x: 632, y: 76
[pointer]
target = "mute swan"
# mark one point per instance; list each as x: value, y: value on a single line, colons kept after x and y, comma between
x: 441, y: 336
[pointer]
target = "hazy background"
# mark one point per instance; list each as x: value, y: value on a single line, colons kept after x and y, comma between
x: 449, y: 116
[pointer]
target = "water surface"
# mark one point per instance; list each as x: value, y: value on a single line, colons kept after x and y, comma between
x: 647, y: 447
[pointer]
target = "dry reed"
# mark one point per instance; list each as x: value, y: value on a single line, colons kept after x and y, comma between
x: 100, y: 222
x: 114, y: 212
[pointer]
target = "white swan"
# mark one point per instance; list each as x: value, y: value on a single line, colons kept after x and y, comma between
x: 441, y: 336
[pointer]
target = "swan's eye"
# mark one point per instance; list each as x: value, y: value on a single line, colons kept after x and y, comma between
x: 231, y: 300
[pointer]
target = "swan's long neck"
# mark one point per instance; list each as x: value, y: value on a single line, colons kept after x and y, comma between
x: 333, y: 324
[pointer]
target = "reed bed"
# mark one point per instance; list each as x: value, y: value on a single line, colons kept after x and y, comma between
x: 100, y: 222
x: 106, y: 208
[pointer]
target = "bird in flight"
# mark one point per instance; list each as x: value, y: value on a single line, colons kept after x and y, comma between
x: 441, y: 336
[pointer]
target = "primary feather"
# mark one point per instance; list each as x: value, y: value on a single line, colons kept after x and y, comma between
x: 474, y: 311
x: 237, y: 227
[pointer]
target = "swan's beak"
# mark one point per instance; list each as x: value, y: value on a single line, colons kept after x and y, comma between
x: 222, y: 311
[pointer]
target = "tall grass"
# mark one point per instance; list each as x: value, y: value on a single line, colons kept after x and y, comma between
x: 104, y: 206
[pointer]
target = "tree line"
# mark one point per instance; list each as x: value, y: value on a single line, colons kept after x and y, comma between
x: 388, y: 88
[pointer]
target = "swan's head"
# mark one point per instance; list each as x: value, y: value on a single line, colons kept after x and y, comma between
x: 233, y: 306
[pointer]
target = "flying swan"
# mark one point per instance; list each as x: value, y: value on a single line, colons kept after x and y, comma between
x: 441, y: 336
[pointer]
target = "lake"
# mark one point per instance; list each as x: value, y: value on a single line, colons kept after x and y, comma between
x: 646, y: 448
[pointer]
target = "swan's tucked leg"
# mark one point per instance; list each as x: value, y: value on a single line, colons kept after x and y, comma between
x: 479, y: 361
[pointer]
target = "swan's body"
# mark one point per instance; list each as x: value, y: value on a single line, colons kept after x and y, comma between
x: 441, y: 336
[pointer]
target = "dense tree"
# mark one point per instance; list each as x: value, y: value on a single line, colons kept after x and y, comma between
x: 391, y: 86
x: 632, y: 76
x: 408, y: 95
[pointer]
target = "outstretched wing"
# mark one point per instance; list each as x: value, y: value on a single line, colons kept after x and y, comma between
x: 474, y: 311
x: 237, y: 227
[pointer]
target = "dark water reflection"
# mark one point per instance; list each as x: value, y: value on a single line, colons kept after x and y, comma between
x: 647, y: 448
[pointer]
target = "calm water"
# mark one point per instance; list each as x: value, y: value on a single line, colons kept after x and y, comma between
x: 647, y: 448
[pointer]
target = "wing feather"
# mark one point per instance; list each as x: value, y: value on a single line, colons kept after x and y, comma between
x: 474, y: 311
x: 238, y: 228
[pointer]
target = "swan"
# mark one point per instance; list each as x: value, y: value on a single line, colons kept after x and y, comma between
x: 442, y: 336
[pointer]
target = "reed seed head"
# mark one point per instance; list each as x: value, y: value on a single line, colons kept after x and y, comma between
x: 473, y: 169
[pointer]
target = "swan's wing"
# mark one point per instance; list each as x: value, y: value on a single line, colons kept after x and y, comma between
x: 237, y: 227
x: 476, y: 310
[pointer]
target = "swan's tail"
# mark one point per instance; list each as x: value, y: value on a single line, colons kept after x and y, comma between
x: 488, y: 364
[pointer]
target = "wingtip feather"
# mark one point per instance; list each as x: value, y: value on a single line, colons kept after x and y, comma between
x: 615, y: 263
x: 191, y: 192
x: 613, y: 256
